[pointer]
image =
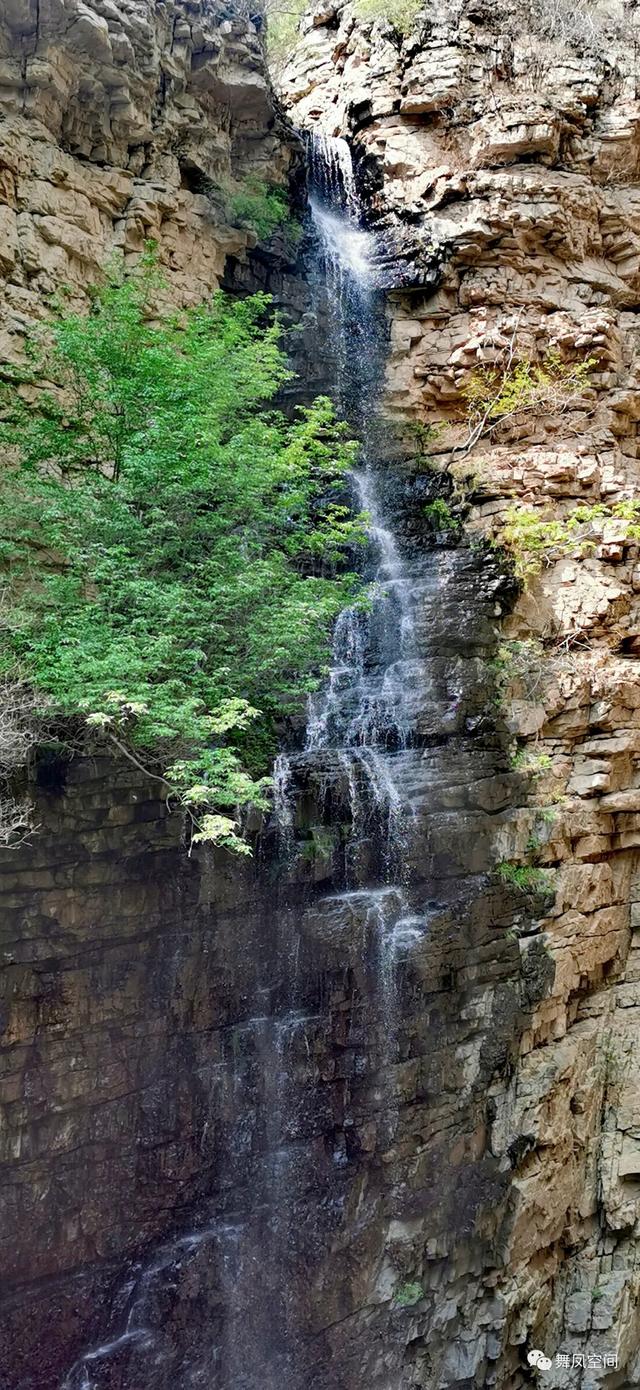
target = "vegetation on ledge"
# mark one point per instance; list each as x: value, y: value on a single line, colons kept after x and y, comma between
x: 263, y: 207
x: 515, y: 388
x: 174, y: 548
x: 440, y: 516
x: 408, y: 1295
x: 533, y: 537
x: 283, y: 26
x: 525, y: 878
x: 402, y: 15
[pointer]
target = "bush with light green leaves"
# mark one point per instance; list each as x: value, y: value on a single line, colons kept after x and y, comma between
x: 174, y: 549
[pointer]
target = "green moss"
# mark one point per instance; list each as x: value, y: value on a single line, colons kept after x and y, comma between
x: 319, y: 847
x: 408, y: 1295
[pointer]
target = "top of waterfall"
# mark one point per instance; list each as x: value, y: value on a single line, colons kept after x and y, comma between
x: 335, y: 208
x: 332, y: 172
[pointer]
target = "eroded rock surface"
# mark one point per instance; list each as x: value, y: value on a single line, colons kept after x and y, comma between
x: 514, y: 157
x: 502, y: 173
x: 148, y: 994
x: 120, y: 124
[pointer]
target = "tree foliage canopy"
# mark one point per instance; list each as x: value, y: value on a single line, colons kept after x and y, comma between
x: 175, y: 547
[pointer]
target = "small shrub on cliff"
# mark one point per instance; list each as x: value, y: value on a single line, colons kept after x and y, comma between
x: 263, y: 207
x: 531, y: 763
x: 613, y: 1062
x: 519, y: 663
x: 173, y: 547
x: 283, y: 23
x: 408, y: 1295
x: 422, y: 436
x: 582, y: 24
x: 497, y: 394
x: 402, y: 15
x: 439, y: 514
x: 534, y: 539
x: 525, y: 878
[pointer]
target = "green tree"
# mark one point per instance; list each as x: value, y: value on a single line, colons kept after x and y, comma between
x: 175, y: 550
x: 283, y: 28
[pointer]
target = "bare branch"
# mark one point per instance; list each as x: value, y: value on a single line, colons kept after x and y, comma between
x: 16, y: 823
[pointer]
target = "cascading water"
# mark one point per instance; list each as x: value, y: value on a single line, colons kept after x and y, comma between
x: 363, y: 713
x: 343, y: 271
x: 318, y: 965
x: 364, y: 719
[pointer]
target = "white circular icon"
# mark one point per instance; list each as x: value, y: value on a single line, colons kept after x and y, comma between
x: 538, y: 1358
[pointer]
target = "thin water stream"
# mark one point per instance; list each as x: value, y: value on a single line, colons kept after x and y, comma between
x: 238, y: 1286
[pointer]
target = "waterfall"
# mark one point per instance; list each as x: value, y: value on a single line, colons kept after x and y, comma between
x: 364, y: 720
x: 364, y: 710
x: 342, y: 271
x: 240, y: 1280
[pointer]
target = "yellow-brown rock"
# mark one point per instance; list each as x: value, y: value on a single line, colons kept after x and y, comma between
x: 514, y: 147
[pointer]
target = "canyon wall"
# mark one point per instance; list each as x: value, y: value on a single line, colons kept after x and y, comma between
x: 120, y: 124
x: 501, y: 169
x: 161, y: 1010
x: 501, y: 144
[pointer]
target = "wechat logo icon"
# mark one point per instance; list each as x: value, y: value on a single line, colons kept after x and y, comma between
x: 538, y: 1359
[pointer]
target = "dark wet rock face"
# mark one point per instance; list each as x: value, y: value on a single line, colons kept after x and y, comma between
x: 255, y: 1099
x: 247, y: 1115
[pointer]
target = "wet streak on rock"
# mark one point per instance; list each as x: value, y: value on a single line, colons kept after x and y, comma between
x: 251, y: 1101
x: 358, y: 1000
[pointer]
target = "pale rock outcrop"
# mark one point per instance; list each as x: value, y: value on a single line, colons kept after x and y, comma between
x: 121, y: 122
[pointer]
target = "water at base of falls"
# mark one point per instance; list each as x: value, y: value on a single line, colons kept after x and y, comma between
x: 231, y: 1305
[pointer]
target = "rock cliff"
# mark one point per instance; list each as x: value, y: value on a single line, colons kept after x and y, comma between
x: 148, y: 995
x: 502, y: 144
x: 122, y: 123
x: 499, y: 157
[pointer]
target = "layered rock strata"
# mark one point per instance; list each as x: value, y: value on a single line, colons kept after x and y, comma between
x: 502, y: 171
x: 508, y: 141
x: 121, y: 124
x: 145, y: 989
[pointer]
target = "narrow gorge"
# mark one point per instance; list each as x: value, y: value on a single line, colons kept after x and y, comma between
x: 360, y: 1109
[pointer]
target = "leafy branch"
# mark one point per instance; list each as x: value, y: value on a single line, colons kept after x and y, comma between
x: 533, y: 537
x: 175, y: 550
x: 516, y: 387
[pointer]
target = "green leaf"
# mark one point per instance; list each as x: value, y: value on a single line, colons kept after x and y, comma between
x: 175, y: 549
